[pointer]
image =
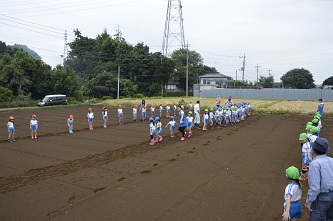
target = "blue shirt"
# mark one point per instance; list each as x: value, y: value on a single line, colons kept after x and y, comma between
x: 184, y: 123
x: 320, y: 177
x: 320, y: 108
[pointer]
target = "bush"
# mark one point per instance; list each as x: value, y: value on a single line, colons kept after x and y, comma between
x: 178, y: 94
x: 22, y: 97
x: 104, y: 98
x: 6, y: 94
x: 71, y: 100
x: 138, y: 95
x: 79, y: 96
x: 20, y: 103
x: 93, y: 101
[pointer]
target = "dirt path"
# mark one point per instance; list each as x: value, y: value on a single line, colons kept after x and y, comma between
x: 233, y: 173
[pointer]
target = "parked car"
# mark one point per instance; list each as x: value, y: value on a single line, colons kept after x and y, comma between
x: 53, y: 100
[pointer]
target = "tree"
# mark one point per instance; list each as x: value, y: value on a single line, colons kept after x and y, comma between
x: 266, y: 82
x: 5, y: 94
x: 328, y: 81
x: 64, y: 81
x: 298, y: 78
x: 195, y: 66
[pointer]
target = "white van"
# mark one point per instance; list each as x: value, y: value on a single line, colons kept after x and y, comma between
x: 53, y: 100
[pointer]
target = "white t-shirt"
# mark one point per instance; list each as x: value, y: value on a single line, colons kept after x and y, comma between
x: 152, y: 109
x: 168, y: 107
x: 33, y: 122
x: 294, y: 190
x: 196, y: 108
x: 152, y: 127
x: 10, y: 124
x: 105, y: 113
x: 206, y: 116
x: 172, y: 123
x: 120, y: 111
x: 211, y: 115
x: 161, y: 108
x: 135, y: 111
x: 305, y: 147
x: 90, y: 115
x: 312, y: 137
x: 189, y: 119
x: 159, y: 124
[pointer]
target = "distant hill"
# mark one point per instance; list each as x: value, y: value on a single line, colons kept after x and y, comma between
x: 25, y: 48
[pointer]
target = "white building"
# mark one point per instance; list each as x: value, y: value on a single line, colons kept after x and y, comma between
x: 212, y: 81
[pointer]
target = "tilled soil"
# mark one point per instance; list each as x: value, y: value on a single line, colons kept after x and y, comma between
x: 233, y: 173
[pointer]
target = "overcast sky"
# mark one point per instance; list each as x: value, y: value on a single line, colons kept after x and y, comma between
x: 278, y: 35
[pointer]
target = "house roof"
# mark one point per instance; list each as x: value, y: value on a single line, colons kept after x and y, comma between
x: 216, y: 75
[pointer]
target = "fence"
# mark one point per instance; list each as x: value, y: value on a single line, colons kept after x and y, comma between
x: 269, y: 94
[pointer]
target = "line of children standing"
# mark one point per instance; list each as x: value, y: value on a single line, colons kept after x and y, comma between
x: 293, y: 191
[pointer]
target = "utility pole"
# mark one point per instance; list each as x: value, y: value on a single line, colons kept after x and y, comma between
x: 187, y: 69
x: 269, y: 72
x: 243, y: 68
x: 174, y: 28
x: 65, y: 45
x: 257, y: 72
x: 118, y: 82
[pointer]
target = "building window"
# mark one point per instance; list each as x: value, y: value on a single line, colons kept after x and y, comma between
x: 204, y: 81
x: 171, y: 87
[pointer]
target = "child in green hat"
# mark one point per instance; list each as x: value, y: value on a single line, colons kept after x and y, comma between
x: 306, y: 154
x: 293, y: 194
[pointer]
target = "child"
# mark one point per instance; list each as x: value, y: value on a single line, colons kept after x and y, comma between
x: 105, y: 116
x: 152, y: 109
x: 306, y: 155
x: 243, y: 109
x: 191, y: 105
x: 167, y: 114
x: 174, y: 108
x: 313, y: 135
x: 182, y: 106
x: 90, y: 116
x: 143, y: 104
x: 172, y: 124
x: 218, y: 115
x: 11, y: 130
x: 33, y: 126
x: 189, y: 123
x: 320, y: 108
x: 135, y: 113
x: 158, y: 129
x: 120, y: 115
x: 292, y: 196
x: 70, y: 122
x: 161, y: 110
x: 227, y: 116
x: 206, y: 118
x: 152, y: 130
x: 211, y: 118
x: 143, y: 113
x: 249, y: 109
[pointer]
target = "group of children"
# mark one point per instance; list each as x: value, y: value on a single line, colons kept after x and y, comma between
x: 293, y: 191
x: 228, y: 115
x: 224, y: 116
x: 11, y: 128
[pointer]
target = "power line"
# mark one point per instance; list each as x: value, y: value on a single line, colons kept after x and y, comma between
x: 30, y: 30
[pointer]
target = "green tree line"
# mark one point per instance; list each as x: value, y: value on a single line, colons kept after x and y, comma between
x: 91, y: 70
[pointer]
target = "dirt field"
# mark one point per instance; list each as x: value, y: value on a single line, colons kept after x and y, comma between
x: 233, y: 173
